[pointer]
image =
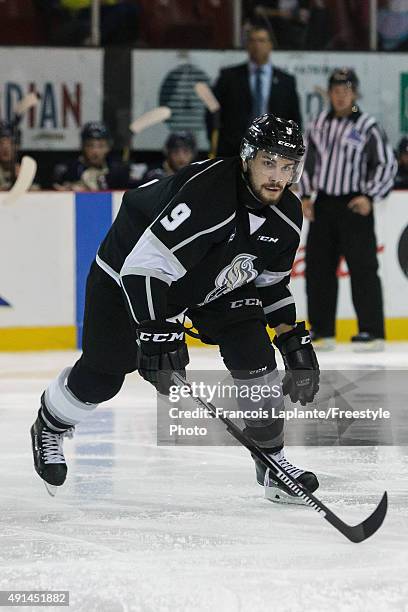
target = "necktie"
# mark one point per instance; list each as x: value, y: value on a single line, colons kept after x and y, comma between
x: 257, y: 105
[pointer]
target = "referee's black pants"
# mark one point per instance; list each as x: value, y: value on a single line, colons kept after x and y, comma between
x: 337, y: 231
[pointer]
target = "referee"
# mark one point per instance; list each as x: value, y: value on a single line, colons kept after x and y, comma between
x: 349, y: 165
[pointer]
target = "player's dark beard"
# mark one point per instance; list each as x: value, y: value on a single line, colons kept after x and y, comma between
x: 257, y: 192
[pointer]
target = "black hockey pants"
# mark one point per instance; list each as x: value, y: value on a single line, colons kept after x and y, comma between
x: 337, y: 231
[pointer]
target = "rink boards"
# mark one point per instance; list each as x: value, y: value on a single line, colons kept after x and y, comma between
x: 49, y: 239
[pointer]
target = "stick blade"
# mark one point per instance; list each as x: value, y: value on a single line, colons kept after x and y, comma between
x: 207, y: 97
x: 367, y: 528
x: 25, y: 103
x: 25, y: 178
x: 156, y: 115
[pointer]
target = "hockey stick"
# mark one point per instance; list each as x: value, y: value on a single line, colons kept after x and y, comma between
x: 24, y: 180
x: 156, y: 115
x: 24, y: 105
x: 356, y: 533
x: 211, y: 103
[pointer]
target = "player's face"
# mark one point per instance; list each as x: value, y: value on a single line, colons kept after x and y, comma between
x: 180, y: 157
x: 268, y: 176
x: 259, y: 46
x: 6, y: 150
x: 95, y: 151
x: 342, y: 98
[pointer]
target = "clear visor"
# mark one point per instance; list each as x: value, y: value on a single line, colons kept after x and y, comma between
x: 276, y: 167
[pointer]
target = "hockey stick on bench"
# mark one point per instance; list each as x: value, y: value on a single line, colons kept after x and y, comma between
x: 213, y: 106
x: 156, y: 115
x: 24, y: 180
x: 151, y: 117
x: 356, y: 533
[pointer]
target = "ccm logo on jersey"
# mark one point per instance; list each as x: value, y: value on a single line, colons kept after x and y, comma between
x: 170, y: 337
x: 267, y: 239
x: 246, y: 302
x: 286, y: 144
x: 305, y: 340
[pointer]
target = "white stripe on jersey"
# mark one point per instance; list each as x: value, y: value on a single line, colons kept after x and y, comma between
x: 206, y: 231
x: 150, y: 299
x: 270, y: 278
x: 285, y: 218
x: 106, y: 268
x: 280, y: 304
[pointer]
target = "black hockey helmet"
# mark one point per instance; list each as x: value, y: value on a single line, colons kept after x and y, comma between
x: 344, y: 76
x: 6, y: 129
x: 281, y: 137
x: 181, y: 139
x: 95, y: 130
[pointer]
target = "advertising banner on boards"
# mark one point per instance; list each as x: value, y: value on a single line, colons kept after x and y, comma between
x: 69, y: 83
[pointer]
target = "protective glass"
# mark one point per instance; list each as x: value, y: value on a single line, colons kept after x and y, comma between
x: 276, y: 167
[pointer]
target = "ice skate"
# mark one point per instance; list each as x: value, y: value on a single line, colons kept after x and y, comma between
x: 363, y: 342
x: 323, y: 343
x: 277, y: 492
x: 49, y: 460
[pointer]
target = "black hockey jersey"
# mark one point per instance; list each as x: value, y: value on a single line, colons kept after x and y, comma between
x: 188, y: 239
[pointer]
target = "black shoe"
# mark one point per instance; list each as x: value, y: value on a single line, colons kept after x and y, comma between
x: 274, y: 489
x: 49, y: 460
x: 366, y: 342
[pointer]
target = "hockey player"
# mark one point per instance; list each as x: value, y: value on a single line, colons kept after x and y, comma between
x: 180, y: 149
x: 93, y: 170
x: 10, y: 155
x: 8, y: 149
x: 217, y: 240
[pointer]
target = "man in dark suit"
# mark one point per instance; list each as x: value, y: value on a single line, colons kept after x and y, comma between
x: 249, y: 90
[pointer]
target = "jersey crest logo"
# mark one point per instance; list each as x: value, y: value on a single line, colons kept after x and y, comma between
x: 239, y: 272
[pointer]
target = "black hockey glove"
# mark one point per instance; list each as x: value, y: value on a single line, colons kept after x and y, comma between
x: 301, y: 381
x: 162, y: 351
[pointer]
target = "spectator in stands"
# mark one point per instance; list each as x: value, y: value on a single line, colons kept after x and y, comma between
x: 349, y: 24
x: 393, y: 25
x: 401, y: 180
x: 180, y: 149
x: 68, y: 22
x: 248, y: 90
x: 294, y: 24
x: 10, y: 156
x: 286, y: 20
x: 318, y: 31
x: 94, y: 169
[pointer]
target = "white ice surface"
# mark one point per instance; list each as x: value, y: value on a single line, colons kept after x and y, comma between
x: 141, y: 527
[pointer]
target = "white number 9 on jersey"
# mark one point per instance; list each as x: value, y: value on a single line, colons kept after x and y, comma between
x: 180, y: 213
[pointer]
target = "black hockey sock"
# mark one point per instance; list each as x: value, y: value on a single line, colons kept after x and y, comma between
x: 49, y: 420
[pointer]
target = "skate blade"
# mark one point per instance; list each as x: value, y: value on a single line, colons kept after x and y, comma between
x: 51, y: 489
x: 276, y: 495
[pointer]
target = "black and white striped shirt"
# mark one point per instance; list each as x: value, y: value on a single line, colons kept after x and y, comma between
x: 348, y: 155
